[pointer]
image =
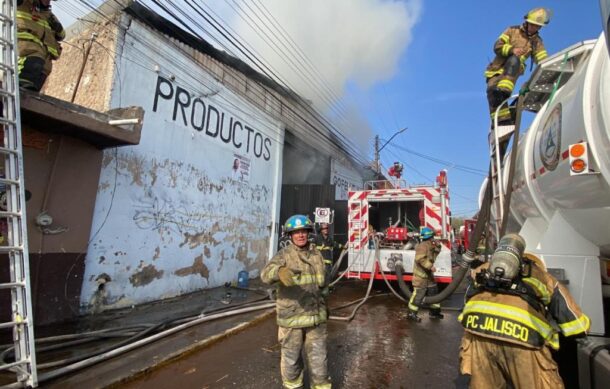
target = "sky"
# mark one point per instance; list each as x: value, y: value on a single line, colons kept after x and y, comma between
x: 378, y: 66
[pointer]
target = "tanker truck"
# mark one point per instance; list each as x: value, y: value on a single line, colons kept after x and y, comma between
x: 560, y: 185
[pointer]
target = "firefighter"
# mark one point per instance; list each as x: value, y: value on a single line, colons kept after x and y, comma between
x: 326, y: 246
x: 38, y: 35
x: 513, y: 307
x: 299, y: 273
x: 423, y: 275
x: 512, y: 49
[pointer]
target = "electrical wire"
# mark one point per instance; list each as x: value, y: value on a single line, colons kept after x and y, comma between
x: 456, y: 166
x: 297, y: 51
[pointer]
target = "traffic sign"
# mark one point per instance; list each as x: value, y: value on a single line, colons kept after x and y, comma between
x: 323, y: 215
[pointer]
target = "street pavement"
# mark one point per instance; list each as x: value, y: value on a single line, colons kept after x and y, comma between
x: 380, y: 348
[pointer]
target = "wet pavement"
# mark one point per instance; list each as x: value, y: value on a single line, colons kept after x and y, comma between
x: 163, y: 314
x: 380, y: 348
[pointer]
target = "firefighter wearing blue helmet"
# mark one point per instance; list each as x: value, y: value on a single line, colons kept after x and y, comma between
x: 423, y: 275
x: 299, y: 274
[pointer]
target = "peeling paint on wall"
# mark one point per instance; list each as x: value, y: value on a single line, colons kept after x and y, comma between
x: 170, y: 205
x: 135, y: 167
x: 145, y: 276
x: 198, y: 267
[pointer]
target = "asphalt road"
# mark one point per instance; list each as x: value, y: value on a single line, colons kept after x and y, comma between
x: 380, y: 348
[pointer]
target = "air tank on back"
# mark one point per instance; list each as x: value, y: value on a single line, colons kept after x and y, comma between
x: 565, y: 218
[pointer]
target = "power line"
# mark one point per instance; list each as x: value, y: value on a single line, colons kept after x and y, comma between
x: 463, y: 168
x: 310, y: 68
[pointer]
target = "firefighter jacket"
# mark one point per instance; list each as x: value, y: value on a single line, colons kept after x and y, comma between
x: 303, y: 304
x: 326, y: 246
x: 515, y: 37
x: 41, y: 26
x: 425, y: 255
x: 529, y: 315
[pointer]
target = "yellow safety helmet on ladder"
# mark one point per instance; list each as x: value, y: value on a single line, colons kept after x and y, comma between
x: 538, y: 16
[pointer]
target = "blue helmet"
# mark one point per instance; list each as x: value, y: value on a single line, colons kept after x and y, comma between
x: 298, y: 222
x: 426, y: 233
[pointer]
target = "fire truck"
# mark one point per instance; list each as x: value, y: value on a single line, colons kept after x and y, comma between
x: 394, y: 213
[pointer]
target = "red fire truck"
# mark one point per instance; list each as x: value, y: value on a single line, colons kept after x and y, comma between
x: 395, y: 215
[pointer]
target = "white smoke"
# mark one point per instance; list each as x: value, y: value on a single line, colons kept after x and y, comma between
x: 348, y: 41
x: 356, y: 42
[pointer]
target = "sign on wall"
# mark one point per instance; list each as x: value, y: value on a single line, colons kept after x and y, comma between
x: 241, y: 168
x: 344, y: 179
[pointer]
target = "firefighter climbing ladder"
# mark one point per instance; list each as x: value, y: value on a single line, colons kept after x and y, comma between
x: 552, y: 73
x: 15, y: 247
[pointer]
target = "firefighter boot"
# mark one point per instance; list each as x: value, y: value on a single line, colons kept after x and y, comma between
x: 412, y: 315
x: 435, y: 313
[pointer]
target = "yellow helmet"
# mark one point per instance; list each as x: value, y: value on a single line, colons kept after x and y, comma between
x: 538, y: 16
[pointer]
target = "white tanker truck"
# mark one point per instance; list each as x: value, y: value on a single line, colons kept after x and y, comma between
x: 561, y: 192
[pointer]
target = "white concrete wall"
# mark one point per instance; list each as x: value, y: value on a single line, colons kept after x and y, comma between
x: 171, y: 216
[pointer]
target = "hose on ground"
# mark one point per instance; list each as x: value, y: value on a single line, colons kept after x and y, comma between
x: 357, y: 301
x: 69, y: 340
x: 366, y: 296
x: 128, y: 347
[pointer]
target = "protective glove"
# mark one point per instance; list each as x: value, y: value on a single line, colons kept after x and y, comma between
x: 285, y: 276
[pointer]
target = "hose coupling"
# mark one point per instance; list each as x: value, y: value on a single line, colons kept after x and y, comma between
x: 467, y: 258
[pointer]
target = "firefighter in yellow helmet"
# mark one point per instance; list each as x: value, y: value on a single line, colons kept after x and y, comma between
x: 38, y: 35
x: 299, y: 273
x: 514, y: 46
x: 510, y: 303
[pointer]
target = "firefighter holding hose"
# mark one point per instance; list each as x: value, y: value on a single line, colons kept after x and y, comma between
x: 423, y: 275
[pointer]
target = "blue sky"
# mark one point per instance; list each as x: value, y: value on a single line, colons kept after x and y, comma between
x: 439, y: 90
x: 402, y: 63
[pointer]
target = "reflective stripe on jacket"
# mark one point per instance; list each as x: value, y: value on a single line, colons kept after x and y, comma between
x: 39, y: 26
x: 300, y: 305
x: 326, y: 247
x: 512, y: 318
x: 515, y: 37
x: 425, y: 255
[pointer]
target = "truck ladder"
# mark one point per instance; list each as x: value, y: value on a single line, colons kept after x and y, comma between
x: 15, y: 247
x: 499, y: 138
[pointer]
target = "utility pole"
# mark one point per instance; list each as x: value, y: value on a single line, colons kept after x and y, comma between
x: 377, y: 169
x: 378, y: 149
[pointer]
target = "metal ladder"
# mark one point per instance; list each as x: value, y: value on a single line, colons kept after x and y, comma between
x: 498, y: 138
x: 15, y: 247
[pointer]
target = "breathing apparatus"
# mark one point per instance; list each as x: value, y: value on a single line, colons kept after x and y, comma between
x: 506, y: 266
